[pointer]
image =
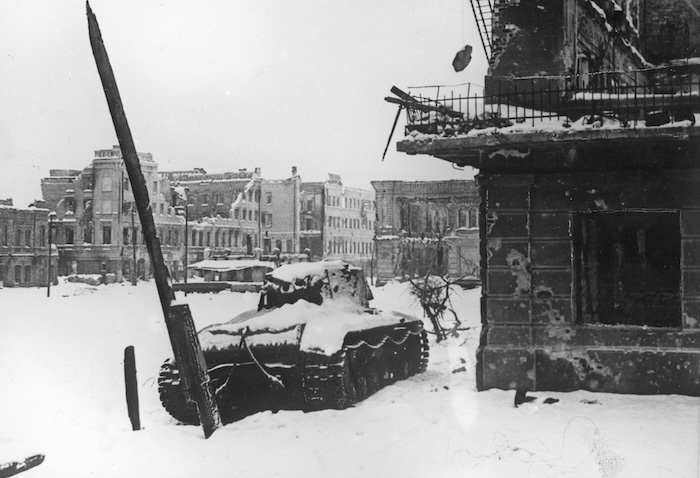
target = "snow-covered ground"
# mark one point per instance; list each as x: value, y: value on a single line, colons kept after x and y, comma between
x: 62, y: 394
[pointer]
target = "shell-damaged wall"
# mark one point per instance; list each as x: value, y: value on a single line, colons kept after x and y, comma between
x: 527, y: 37
x: 540, y: 46
x: 561, y: 313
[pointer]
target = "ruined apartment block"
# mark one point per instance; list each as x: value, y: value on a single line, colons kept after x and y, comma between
x: 338, y: 221
x: 588, y: 153
x: 427, y: 227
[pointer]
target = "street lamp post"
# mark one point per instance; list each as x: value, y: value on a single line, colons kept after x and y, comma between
x: 52, y: 216
x: 183, y: 210
x: 134, y: 236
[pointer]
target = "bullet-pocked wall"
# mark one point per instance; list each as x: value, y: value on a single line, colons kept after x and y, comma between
x: 591, y: 276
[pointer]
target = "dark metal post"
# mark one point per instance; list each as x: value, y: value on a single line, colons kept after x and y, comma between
x: 187, y: 240
x: 134, y: 236
x: 185, y: 212
x: 52, y: 216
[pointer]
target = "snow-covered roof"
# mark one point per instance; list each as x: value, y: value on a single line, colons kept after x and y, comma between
x: 224, y: 266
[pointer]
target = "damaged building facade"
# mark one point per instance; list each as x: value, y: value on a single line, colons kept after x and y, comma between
x: 24, y: 246
x: 97, y: 228
x: 589, y: 182
x: 427, y: 227
x: 338, y: 221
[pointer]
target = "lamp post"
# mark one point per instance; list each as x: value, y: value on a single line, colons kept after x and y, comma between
x: 183, y: 211
x: 134, y: 277
x: 52, y: 216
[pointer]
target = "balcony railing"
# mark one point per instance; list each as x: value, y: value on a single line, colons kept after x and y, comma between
x: 532, y: 104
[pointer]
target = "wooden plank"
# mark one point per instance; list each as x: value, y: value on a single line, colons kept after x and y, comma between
x: 132, y: 390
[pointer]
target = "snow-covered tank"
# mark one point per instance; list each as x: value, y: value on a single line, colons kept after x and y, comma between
x: 313, y: 343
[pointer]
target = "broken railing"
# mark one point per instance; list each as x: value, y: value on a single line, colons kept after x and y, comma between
x: 627, y: 99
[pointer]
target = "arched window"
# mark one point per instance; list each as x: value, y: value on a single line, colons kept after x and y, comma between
x: 463, y: 218
x: 473, y: 217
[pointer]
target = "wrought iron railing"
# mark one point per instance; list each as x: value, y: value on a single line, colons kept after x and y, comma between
x: 630, y: 100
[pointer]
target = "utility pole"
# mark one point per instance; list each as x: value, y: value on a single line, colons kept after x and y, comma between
x: 178, y: 318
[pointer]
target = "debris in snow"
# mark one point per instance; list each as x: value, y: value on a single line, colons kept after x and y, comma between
x: 15, y: 467
x: 522, y: 397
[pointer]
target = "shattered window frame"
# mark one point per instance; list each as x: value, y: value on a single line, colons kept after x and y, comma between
x: 627, y: 268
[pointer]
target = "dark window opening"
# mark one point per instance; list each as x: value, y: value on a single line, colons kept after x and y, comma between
x: 628, y: 268
x: 69, y: 233
x: 106, y: 234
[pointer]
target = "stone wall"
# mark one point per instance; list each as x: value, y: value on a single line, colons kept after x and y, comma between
x: 591, y: 282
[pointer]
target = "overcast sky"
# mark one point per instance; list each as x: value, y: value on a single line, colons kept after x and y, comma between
x: 226, y: 84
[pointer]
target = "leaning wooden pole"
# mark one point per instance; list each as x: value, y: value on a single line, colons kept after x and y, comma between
x: 178, y: 319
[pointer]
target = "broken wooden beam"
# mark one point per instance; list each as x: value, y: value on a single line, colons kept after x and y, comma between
x: 180, y: 328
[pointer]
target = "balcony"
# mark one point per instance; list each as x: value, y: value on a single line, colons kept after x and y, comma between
x: 601, y: 100
x: 523, y: 112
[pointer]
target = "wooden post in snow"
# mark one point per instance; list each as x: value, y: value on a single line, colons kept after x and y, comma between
x: 132, y: 390
x: 178, y: 319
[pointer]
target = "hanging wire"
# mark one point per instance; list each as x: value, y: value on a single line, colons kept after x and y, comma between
x: 444, y: 86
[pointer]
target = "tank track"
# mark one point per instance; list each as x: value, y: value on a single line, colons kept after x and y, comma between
x: 173, y: 398
x: 361, y: 369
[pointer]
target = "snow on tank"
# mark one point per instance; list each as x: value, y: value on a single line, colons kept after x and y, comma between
x: 314, y: 342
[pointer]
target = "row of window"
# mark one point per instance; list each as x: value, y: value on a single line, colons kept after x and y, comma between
x: 349, y: 203
x: 340, y: 246
x: 349, y: 223
x: 172, y: 237
x: 23, y: 236
x: 25, y: 278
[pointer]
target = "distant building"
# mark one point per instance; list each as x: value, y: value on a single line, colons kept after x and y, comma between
x: 222, y: 209
x: 427, y: 227
x: 337, y: 221
x: 24, y: 246
x: 98, y: 230
x: 97, y: 225
x: 278, y: 223
x: 245, y: 210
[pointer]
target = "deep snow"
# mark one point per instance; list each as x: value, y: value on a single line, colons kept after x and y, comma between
x: 63, y: 395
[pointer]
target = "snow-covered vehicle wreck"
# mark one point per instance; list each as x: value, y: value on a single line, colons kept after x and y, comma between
x: 313, y: 343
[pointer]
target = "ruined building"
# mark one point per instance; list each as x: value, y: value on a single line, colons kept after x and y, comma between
x: 427, y: 227
x: 338, y: 221
x: 588, y: 153
x: 24, y: 246
x: 98, y: 230
x: 263, y: 213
